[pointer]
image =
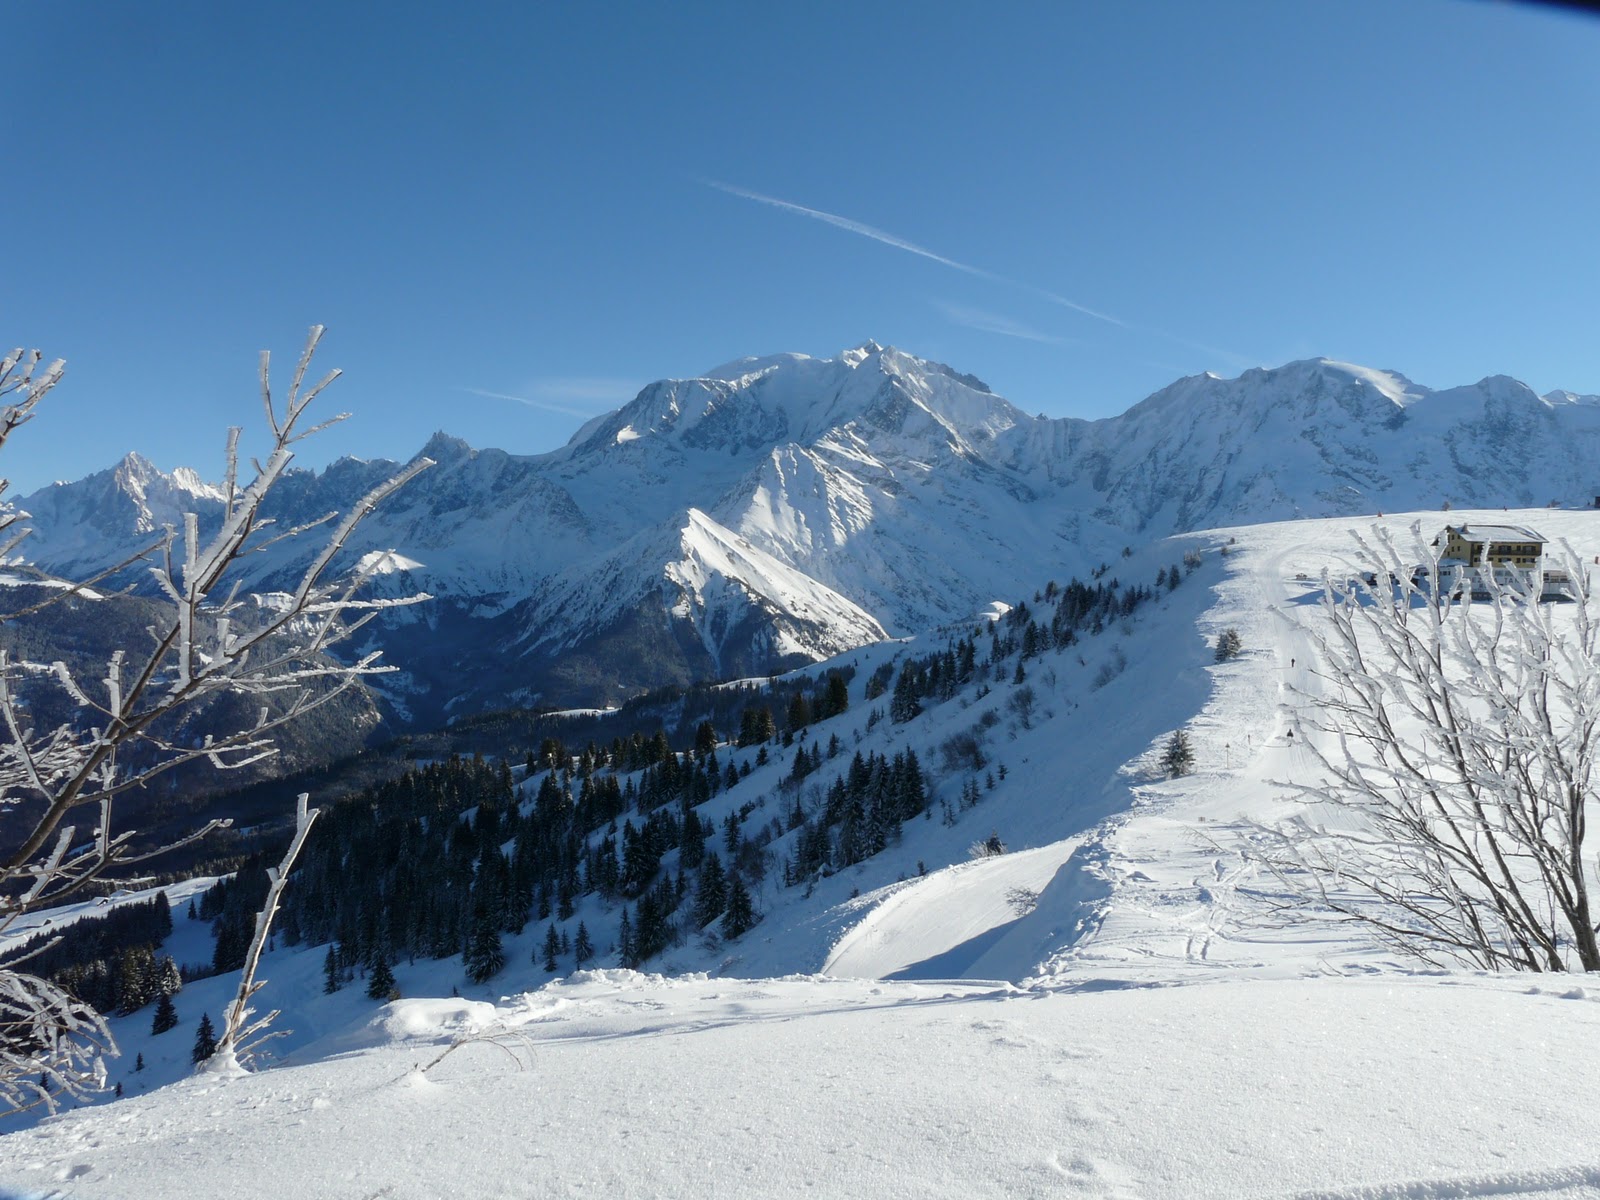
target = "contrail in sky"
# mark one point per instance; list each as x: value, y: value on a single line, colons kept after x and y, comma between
x: 900, y: 243
x: 542, y: 405
x: 988, y: 322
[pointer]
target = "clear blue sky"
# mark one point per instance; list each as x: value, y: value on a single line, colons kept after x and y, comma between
x: 490, y: 201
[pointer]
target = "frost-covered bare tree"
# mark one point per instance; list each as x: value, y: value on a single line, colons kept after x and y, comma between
x: 59, y: 784
x: 239, y: 1033
x: 1458, y: 741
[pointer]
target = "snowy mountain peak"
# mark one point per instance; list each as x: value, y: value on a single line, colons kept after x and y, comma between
x: 1562, y: 397
x: 785, y: 506
x: 743, y: 409
x: 741, y: 370
x: 135, y: 474
x: 136, y: 466
x: 444, y: 447
x: 857, y: 355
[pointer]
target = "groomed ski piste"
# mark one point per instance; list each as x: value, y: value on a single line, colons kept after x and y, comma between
x: 1118, y: 1006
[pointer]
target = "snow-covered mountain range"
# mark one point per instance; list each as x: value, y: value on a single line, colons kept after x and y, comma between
x: 780, y: 510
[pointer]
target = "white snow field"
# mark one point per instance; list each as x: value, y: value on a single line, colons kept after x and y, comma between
x: 1109, y: 1009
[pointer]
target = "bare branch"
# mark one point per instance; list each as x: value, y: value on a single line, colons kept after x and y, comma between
x: 212, y: 640
x: 1458, y: 740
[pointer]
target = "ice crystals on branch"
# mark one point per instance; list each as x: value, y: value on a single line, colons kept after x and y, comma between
x: 1459, y: 741
x: 210, y: 640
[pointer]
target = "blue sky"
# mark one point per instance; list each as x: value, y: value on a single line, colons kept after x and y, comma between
x: 512, y: 216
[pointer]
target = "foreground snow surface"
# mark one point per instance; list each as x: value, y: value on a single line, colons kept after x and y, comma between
x: 612, y: 1083
x: 1169, y: 1029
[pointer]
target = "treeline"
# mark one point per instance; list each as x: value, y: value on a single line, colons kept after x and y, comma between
x: 861, y: 813
x: 452, y: 856
x: 109, y: 961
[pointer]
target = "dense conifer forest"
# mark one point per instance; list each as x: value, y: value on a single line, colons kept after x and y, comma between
x: 455, y: 854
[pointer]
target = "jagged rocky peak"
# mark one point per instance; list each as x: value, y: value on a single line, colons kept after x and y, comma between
x: 136, y: 475
x: 445, y: 447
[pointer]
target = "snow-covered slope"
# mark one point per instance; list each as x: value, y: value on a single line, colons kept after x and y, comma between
x: 620, y: 1085
x: 1116, y: 1007
x: 894, y: 493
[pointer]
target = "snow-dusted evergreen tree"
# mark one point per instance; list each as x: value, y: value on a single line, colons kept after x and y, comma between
x: 582, y: 947
x: 1460, y: 741
x: 210, y: 641
x: 625, y: 944
x: 169, y: 980
x: 484, y: 957
x: 381, y: 983
x: 166, y: 1015
x: 332, y: 975
x: 741, y: 914
x: 552, y: 947
x: 1177, y: 757
x: 904, y: 705
x: 205, y: 1041
x: 712, y: 895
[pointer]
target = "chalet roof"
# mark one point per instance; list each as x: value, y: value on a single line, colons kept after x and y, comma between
x: 1499, y: 533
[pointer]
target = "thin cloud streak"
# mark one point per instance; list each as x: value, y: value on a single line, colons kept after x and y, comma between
x: 845, y: 223
x: 606, y: 393
x: 1045, y: 294
x: 900, y: 243
x: 988, y: 322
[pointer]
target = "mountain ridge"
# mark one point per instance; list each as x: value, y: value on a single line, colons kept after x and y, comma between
x: 681, y: 525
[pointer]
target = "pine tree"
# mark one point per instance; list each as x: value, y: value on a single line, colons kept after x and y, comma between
x: 712, y: 895
x: 166, y: 1016
x: 799, y: 712
x: 756, y: 726
x: 1229, y: 644
x: 205, y: 1041
x: 381, y: 983
x: 552, y: 947
x: 803, y: 764
x: 138, y: 1063
x: 741, y: 914
x: 582, y: 947
x: 1178, y: 757
x: 837, y: 697
x: 484, y: 957
x: 169, y: 980
x: 904, y: 705
x: 625, y: 947
x: 331, y: 976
